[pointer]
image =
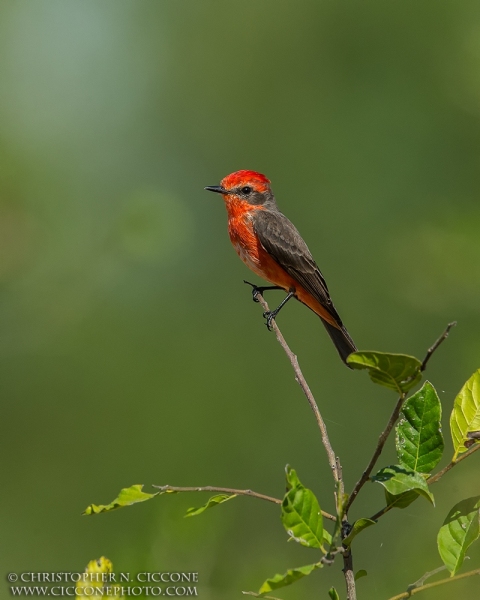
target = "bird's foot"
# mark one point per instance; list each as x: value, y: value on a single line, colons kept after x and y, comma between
x: 270, y: 315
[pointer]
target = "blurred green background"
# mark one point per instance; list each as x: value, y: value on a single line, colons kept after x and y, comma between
x: 130, y: 349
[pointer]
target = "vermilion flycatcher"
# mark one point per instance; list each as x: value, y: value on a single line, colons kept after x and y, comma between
x: 270, y: 245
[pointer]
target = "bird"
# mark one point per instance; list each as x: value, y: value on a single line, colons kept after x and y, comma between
x: 271, y: 246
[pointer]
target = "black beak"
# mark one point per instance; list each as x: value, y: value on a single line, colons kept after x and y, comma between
x: 216, y: 188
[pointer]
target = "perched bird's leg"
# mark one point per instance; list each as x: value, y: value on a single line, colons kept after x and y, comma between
x: 259, y: 290
x: 271, y: 314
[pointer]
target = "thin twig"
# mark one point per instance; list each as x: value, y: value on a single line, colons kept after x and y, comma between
x: 437, y: 476
x: 382, y: 512
x: 225, y: 490
x: 434, y: 584
x: 432, y: 349
x: 424, y: 578
x: 378, y: 450
x: 306, y: 390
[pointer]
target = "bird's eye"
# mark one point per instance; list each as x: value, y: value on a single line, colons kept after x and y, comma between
x: 246, y: 190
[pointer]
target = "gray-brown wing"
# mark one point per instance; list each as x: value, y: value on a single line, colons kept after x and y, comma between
x: 283, y: 242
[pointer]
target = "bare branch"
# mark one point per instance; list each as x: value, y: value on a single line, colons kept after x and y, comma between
x: 378, y: 450
x: 437, y: 476
x: 225, y: 490
x: 306, y: 390
x: 427, y: 586
x: 432, y: 349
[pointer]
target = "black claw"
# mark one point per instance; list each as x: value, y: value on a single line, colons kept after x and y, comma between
x: 270, y: 316
x: 255, y: 290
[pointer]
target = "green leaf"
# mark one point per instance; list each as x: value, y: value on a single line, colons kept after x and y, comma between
x: 357, y: 527
x: 332, y: 592
x: 419, y: 438
x: 360, y: 574
x: 126, y: 497
x: 459, y: 530
x: 301, y: 514
x: 291, y: 477
x: 213, y: 501
x: 401, y: 500
x: 398, y: 372
x: 398, y: 479
x: 327, y: 537
x: 465, y: 416
x: 291, y: 576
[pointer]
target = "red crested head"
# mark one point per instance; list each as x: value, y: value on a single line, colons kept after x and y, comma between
x: 245, y: 178
x: 248, y: 187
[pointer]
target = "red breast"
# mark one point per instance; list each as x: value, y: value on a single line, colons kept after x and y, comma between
x: 242, y: 234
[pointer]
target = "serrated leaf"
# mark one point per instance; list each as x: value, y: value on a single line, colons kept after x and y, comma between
x: 397, y: 479
x: 126, y: 497
x: 459, y: 530
x: 301, y: 514
x: 291, y: 576
x: 332, y: 592
x: 465, y: 415
x: 359, y: 574
x: 213, y: 501
x: 419, y: 439
x: 401, y: 500
x: 357, y: 528
x: 398, y: 372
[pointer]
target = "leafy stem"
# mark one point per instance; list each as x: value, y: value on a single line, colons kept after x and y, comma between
x: 432, y: 479
x: 211, y: 488
x: 225, y: 490
x: 391, y: 422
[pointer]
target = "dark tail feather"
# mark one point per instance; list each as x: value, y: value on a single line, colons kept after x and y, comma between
x: 343, y: 342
